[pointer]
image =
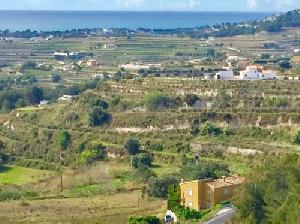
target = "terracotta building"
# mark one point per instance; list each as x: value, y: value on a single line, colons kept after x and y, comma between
x: 203, y: 194
x: 92, y: 63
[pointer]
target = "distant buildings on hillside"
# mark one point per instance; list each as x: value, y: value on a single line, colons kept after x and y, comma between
x: 138, y: 66
x: 92, y: 63
x: 253, y: 72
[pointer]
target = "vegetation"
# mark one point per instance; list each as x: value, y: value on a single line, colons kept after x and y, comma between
x: 149, y: 116
x: 158, y: 187
x: 296, y: 137
x: 273, y: 188
x: 157, y: 101
x: 193, y: 171
x: 143, y: 220
x: 132, y: 146
x: 96, y: 152
x: 98, y: 117
x: 142, y: 160
x: 64, y: 140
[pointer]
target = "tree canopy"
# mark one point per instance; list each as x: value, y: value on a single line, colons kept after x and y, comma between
x: 272, y: 194
x: 64, y: 139
x: 132, y: 146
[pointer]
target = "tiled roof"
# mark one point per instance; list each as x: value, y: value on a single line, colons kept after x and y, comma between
x: 226, y: 181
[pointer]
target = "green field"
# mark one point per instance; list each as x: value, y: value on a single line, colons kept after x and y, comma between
x: 19, y: 175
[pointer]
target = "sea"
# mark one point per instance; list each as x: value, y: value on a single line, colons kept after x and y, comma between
x: 68, y: 20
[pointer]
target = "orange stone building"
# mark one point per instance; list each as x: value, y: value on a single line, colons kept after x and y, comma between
x: 204, y: 194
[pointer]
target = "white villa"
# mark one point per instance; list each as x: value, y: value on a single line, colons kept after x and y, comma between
x: 257, y: 73
x: 68, y: 98
x: 225, y: 75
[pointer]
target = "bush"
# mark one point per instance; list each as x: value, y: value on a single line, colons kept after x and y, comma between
x: 95, y: 153
x: 278, y: 102
x: 36, y: 164
x: 142, y: 160
x: 188, y: 214
x: 156, y: 147
x: 143, y: 220
x: 296, y: 137
x: 71, y: 117
x: 142, y: 174
x: 210, y: 129
x: 191, y: 99
x: 157, y: 101
x: 7, y: 195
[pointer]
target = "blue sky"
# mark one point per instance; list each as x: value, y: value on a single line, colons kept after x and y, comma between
x: 156, y: 5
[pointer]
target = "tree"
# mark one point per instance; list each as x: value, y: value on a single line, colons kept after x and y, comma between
x: 271, y: 194
x: 34, y: 95
x: 55, y: 78
x: 2, y: 146
x: 64, y: 140
x: 98, y: 117
x: 285, y: 64
x: 142, y: 160
x: 158, y: 186
x: 211, y: 53
x: 29, y: 65
x: 132, y: 146
x: 191, y: 99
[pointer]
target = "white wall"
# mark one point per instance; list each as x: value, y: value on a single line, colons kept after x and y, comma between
x: 224, y: 75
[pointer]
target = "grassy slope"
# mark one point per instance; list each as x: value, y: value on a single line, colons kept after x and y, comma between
x: 19, y: 175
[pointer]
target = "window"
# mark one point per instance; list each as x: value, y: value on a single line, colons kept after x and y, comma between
x: 190, y: 193
x: 208, y: 192
x: 226, y: 191
x: 190, y: 204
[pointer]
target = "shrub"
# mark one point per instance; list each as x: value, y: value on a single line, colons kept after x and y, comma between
x: 71, y: 117
x: 157, y: 101
x: 143, y: 220
x: 210, y: 129
x: 142, y: 174
x: 90, y: 155
x: 6, y: 195
x: 64, y: 139
x: 142, y: 160
x: 156, y: 147
x: 187, y: 213
x: 37, y: 164
x: 191, y: 99
x: 296, y: 137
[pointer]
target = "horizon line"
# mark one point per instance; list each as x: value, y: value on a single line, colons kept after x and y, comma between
x: 103, y: 10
